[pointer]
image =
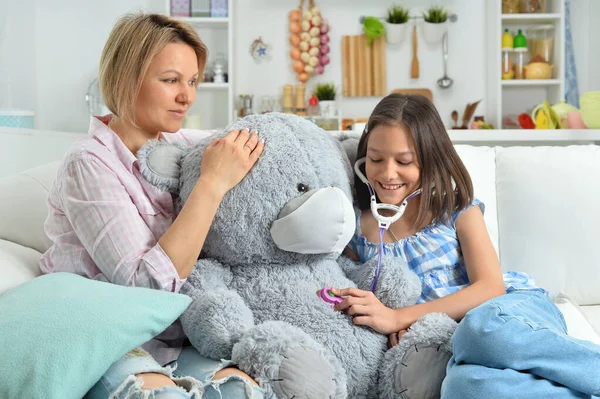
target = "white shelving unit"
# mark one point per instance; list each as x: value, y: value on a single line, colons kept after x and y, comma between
x: 215, y: 101
x: 512, y: 97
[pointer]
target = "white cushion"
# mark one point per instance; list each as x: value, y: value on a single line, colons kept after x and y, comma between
x: 22, y: 149
x: 481, y: 164
x: 592, y: 314
x: 578, y: 325
x: 549, y: 218
x: 17, y: 265
x: 23, y: 208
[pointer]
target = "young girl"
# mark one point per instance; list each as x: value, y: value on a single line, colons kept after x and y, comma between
x: 516, y: 343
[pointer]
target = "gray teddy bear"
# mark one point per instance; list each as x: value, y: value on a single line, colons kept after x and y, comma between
x: 274, y: 243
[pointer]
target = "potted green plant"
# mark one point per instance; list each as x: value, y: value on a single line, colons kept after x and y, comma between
x: 396, y: 24
x: 434, y: 27
x: 325, y: 93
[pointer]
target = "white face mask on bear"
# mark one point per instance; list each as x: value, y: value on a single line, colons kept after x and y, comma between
x: 318, y: 222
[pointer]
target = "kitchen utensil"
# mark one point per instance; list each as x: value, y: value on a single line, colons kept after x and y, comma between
x: 519, y: 62
x: 445, y: 82
x: 538, y: 70
x: 533, y: 6
x: 545, y: 117
x: 424, y: 92
x: 562, y: 109
x: 574, y: 121
x: 589, y: 104
x: 363, y: 67
x: 540, y: 40
x: 454, y: 116
x: 414, y: 67
x: 519, y: 40
x: 469, y: 111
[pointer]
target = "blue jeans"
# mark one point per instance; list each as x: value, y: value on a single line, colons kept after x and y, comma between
x: 191, y: 372
x: 516, y: 346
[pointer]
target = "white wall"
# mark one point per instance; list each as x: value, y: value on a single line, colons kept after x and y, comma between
x: 592, y: 37
x: 586, y: 41
x: 53, y: 49
x: 466, y: 63
x: 17, y: 54
x: 70, y: 35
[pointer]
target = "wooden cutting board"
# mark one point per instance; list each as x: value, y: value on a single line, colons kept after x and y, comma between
x: 424, y: 92
x: 363, y: 67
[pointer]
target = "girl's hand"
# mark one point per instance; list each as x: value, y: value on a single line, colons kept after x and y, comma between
x: 394, y: 338
x: 227, y: 160
x: 367, y: 310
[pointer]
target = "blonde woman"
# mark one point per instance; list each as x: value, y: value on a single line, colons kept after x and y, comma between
x: 107, y: 223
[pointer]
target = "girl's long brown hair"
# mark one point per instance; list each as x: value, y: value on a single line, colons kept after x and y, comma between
x: 446, y: 184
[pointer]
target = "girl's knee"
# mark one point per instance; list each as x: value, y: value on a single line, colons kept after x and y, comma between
x: 478, y: 326
x: 230, y: 371
x: 462, y: 381
x: 232, y: 383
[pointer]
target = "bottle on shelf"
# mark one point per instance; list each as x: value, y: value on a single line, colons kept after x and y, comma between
x: 507, y: 64
x: 313, y: 106
x: 300, y: 108
x: 245, y: 105
x: 541, y: 42
x: 519, y: 62
x: 510, y: 6
x: 533, y: 6
x: 507, y: 39
x: 288, y: 99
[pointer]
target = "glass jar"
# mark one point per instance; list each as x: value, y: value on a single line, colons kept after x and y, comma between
x: 519, y: 56
x: 510, y: 6
x: 541, y: 43
x: 533, y: 6
x: 507, y: 65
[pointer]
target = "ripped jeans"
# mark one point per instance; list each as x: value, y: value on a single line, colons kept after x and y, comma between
x: 191, y: 372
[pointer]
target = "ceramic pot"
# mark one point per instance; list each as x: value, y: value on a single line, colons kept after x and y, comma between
x: 433, y: 33
x: 395, y: 33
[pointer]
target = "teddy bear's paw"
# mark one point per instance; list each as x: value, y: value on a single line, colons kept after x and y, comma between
x: 304, y: 374
x: 288, y: 363
x: 420, y: 371
x: 215, y: 321
x: 416, y: 367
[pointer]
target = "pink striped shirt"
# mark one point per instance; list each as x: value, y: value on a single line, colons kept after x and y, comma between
x: 105, y: 221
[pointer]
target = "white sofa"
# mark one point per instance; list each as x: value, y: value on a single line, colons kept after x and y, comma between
x: 541, y: 212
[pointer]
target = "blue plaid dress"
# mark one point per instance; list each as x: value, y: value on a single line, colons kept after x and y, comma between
x: 434, y: 255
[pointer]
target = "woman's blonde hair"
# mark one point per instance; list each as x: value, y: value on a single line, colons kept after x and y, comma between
x: 133, y: 42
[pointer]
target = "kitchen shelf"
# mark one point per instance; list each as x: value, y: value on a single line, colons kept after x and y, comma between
x: 512, y: 97
x: 531, y: 82
x: 217, y: 105
x: 530, y: 18
x: 213, y: 86
x: 206, y: 21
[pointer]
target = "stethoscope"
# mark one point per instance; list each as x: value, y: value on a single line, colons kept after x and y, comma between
x: 384, y: 222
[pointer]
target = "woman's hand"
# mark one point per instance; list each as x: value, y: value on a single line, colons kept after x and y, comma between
x: 227, y: 160
x: 367, y: 310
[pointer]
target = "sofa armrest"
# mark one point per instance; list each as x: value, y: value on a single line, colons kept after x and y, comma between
x: 579, y: 323
x: 17, y: 265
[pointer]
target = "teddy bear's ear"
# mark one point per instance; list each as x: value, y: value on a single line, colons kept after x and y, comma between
x: 349, y: 145
x: 160, y: 163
